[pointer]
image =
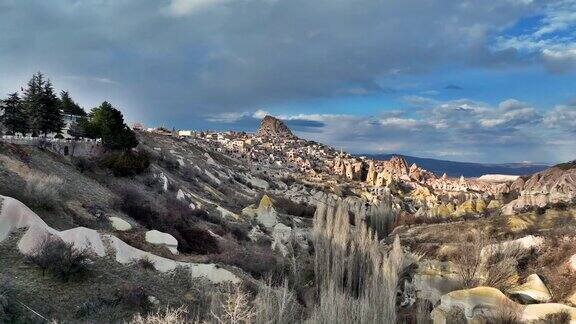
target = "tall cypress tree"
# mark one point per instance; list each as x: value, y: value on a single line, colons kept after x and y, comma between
x: 14, y: 119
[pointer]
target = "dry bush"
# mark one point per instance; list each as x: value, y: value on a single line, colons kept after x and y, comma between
x: 43, y: 191
x: 551, y: 264
x: 7, y: 307
x: 145, y: 263
x: 507, y: 312
x: 562, y: 317
x: 287, y: 206
x: 168, y: 215
x: 61, y: 258
x: 259, y: 261
x: 198, y: 305
x: 277, y: 305
x: 133, y: 295
x: 168, y: 316
x: 233, y: 307
x: 493, y: 265
x: 501, y: 264
x: 468, y: 261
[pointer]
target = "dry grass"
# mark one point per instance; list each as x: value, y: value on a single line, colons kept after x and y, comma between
x: 356, y: 278
x: 168, y: 316
x: 44, y: 191
x: 277, y: 305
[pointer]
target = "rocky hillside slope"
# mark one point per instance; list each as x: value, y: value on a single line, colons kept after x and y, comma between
x: 552, y: 186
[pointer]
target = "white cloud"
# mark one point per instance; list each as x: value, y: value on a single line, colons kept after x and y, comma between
x: 181, y: 8
x: 260, y: 114
x: 553, y: 39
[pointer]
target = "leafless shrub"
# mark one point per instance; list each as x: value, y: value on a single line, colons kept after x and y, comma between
x: 501, y: 264
x: 168, y: 316
x: 61, y: 258
x: 199, y: 289
x: 233, y: 307
x: 494, y: 265
x: 468, y: 260
x: 44, y: 191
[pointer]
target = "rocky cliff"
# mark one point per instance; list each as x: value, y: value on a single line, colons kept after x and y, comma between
x: 273, y: 127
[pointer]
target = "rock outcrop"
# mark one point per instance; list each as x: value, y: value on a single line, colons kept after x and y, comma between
x: 532, y: 291
x: 554, y: 185
x: 273, y: 127
x: 487, y: 302
x: 15, y: 216
x: 159, y: 238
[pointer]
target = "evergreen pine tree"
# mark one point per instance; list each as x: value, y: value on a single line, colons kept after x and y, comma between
x: 68, y: 106
x: 14, y: 119
x: 41, y: 106
x: 32, y: 102
x: 52, y: 120
x: 107, y: 123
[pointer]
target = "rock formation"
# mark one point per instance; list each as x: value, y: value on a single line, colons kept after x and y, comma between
x: 554, y: 185
x: 273, y: 127
x: 14, y: 216
x: 532, y: 291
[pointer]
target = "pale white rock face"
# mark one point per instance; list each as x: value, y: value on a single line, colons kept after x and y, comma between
x: 119, y: 224
x: 160, y: 238
x: 488, y: 301
x: 15, y: 215
x: 532, y: 291
x: 498, y: 177
x: 572, y: 262
x: 180, y: 195
x: 164, y: 181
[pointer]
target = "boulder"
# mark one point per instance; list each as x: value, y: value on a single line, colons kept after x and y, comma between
x: 159, y: 238
x: 265, y: 214
x: 474, y: 302
x: 486, y: 302
x: 119, y: 224
x: 532, y: 291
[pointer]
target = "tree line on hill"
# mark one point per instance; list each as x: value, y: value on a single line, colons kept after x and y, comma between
x: 39, y: 112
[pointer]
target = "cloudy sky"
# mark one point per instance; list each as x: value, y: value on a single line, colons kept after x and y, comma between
x: 469, y: 80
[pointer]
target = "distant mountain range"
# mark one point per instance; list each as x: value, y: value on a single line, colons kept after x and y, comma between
x: 467, y: 169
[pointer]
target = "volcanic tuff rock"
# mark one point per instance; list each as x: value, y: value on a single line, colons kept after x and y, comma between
x: 554, y: 185
x: 273, y: 127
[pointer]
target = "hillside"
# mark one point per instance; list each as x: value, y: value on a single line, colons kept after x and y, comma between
x: 191, y: 223
x: 467, y: 169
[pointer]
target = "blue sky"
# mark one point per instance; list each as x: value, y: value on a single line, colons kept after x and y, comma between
x: 472, y: 80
